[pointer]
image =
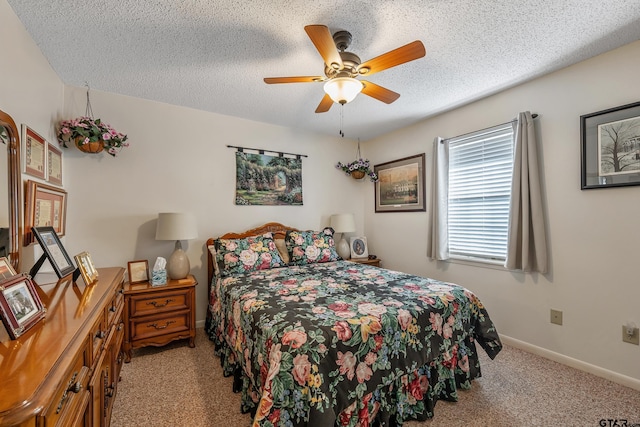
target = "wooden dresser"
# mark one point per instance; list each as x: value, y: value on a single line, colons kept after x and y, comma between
x: 64, y: 371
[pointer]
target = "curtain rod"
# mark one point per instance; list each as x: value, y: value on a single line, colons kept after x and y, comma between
x: 262, y: 151
x: 534, y: 115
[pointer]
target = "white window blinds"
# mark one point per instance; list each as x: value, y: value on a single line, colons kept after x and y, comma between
x: 480, y: 170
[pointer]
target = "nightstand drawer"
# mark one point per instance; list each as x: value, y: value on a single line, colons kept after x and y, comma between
x: 141, y: 305
x: 160, y: 325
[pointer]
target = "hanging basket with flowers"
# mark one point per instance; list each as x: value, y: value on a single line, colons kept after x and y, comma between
x: 358, y: 169
x: 91, y: 135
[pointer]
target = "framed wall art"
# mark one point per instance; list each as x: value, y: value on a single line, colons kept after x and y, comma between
x: 54, y: 164
x: 34, y: 149
x: 53, y: 251
x: 359, y: 247
x: 610, y: 150
x: 6, y: 270
x: 401, y: 185
x: 138, y: 271
x: 87, y: 269
x: 20, y: 305
x: 46, y: 206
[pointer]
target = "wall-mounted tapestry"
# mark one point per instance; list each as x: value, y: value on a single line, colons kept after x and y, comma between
x: 268, y: 180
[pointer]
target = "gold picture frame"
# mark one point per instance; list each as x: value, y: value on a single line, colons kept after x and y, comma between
x: 6, y: 270
x: 401, y: 185
x: 46, y: 206
x: 87, y: 269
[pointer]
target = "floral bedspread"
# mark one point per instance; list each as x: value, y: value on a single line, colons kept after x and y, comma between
x: 346, y: 344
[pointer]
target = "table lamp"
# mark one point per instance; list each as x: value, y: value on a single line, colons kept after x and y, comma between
x: 177, y: 226
x: 343, y: 223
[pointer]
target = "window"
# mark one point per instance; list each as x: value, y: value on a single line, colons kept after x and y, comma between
x: 480, y: 171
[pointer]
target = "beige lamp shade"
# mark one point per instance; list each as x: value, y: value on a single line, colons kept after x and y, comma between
x: 177, y: 226
x: 343, y: 223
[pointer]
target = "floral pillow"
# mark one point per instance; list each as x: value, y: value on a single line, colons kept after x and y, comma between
x: 254, y: 253
x: 309, y: 247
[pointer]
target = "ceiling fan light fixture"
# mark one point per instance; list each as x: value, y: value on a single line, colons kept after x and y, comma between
x: 343, y: 89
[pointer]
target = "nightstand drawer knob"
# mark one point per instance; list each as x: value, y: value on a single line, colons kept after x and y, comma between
x: 155, y: 325
x: 156, y: 305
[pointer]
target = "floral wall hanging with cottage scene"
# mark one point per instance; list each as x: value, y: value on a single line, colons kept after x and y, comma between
x: 268, y: 180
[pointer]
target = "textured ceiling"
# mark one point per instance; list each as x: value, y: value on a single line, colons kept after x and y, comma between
x: 212, y: 54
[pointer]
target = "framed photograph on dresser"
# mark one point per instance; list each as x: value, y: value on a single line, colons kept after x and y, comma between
x: 138, y: 271
x: 53, y: 251
x: 20, y: 305
x: 359, y: 247
x: 87, y: 269
x: 6, y: 270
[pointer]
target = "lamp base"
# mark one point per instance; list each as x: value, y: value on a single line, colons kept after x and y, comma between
x: 178, y: 265
x: 343, y: 249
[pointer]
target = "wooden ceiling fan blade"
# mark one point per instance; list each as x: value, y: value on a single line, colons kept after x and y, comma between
x: 406, y: 53
x: 298, y: 79
x: 380, y: 93
x: 323, y: 41
x: 325, y: 104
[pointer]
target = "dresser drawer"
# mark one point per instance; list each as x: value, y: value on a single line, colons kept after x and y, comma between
x: 69, y: 403
x: 142, y: 305
x: 160, y: 325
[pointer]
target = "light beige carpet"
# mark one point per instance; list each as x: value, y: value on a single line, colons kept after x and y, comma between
x: 177, y: 386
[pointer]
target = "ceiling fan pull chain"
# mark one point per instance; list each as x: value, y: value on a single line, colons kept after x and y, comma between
x: 341, y: 120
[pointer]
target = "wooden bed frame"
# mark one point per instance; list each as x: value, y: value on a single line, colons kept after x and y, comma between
x: 278, y: 230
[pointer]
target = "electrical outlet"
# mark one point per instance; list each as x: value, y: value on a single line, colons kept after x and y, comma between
x: 556, y: 317
x: 630, y: 338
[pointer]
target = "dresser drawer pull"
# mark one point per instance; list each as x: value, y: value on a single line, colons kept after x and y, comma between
x: 73, y: 387
x: 112, y: 309
x: 101, y: 334
x: 155, y: 325
x: 156, y: 305
x: 120, y: 326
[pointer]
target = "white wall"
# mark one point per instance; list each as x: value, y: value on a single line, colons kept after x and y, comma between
x: 178, y: 162
x: 593, y: 235
x: 30, y: 92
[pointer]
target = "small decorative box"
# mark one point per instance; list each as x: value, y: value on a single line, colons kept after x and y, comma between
x: 158, y: 277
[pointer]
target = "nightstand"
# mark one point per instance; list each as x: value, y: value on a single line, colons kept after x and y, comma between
x: 157, y: 315
x: 374, y: 262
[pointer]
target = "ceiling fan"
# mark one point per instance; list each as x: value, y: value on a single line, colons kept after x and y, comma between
x: 342, y: 68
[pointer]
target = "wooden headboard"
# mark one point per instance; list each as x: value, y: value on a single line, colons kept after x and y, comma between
x: 278, y: 230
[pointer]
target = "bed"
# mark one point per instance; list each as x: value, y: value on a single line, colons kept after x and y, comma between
x: 313, y: 340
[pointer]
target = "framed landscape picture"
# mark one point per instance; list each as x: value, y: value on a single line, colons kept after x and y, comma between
x: 400, y: 187
x: 610, y: 147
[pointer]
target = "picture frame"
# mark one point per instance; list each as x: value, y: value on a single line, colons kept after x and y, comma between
x: 610, y: 147
x: 87, y: 269
x: 138, y: 271
x: 6, y: 270
x: 401, y: 185
x: 20, y: 305
x: 359, y: 248
x: 53, y: 251
x: 46, y: 206
x: 54, y: 164
x: 34, y: 148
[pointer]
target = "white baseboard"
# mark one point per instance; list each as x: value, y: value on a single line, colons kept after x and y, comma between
x: 574, y: 363
x: 200, y: 324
